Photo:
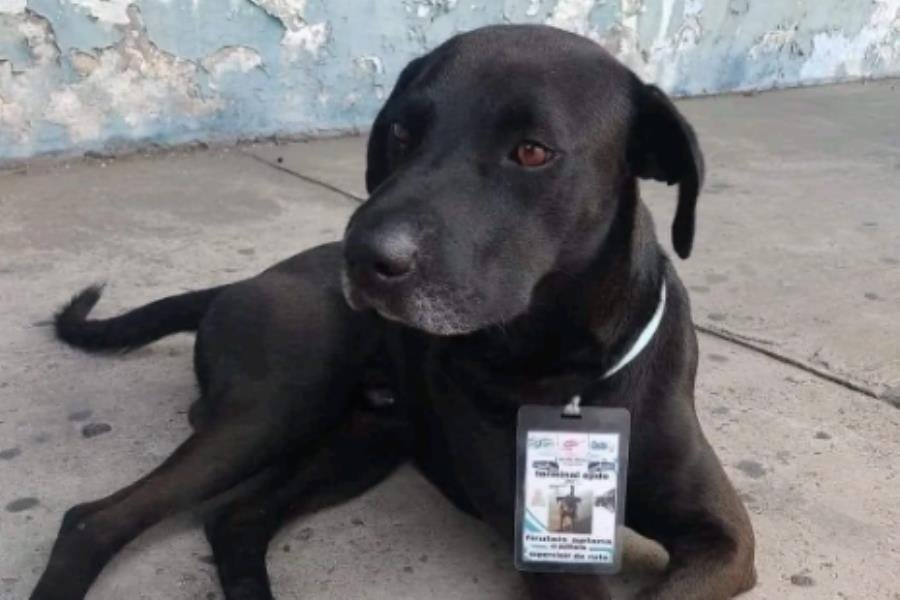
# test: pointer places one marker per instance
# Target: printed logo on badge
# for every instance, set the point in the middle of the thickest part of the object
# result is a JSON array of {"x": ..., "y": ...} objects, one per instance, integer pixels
[{"x": 571, "y": 489}]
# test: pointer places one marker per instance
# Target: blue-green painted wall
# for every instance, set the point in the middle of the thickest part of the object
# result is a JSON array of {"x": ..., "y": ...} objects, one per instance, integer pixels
[{"x": 102, "y": 75}]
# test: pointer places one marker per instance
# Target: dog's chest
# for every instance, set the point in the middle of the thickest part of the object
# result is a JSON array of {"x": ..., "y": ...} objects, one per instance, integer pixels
[
  {"x": 481, "y": 445},
  {"x": 469, "y": 416},
  {"x": 476, "y": 412}
]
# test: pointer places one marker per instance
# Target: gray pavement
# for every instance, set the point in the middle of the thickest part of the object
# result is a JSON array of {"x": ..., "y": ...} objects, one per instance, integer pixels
[{"x": 797, "y": 261}]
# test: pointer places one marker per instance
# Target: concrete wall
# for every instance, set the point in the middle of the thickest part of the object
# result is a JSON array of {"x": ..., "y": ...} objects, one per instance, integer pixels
[{"x": 80, "y": 75}]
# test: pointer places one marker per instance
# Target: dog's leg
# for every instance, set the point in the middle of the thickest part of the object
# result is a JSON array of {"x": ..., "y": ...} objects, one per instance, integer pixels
[
  {"x": 210, "y": 462},
  {"x": 553, "y": 586},
  {"x": 708, "y": 561},
  {"x": 703, "y": 525},
  {"x": 361, "y": 453}
]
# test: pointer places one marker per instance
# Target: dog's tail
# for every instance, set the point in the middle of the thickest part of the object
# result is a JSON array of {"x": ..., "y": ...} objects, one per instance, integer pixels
[{"x": 133, "y": 329}]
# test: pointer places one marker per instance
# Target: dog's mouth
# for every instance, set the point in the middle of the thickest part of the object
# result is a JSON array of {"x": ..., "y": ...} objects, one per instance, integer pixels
[{"x": 433, "y": 309}]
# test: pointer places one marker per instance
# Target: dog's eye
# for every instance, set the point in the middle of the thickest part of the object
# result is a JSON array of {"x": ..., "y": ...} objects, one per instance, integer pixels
[
  {"x": 400, "y": 134},
  {"x": 532, "y": 154}
]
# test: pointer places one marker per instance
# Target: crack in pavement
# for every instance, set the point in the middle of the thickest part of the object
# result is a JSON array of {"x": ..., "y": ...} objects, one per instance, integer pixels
[
  {"x": 306, "y": 178},
  {"x": 749, "y": 343},
  {"x": 742, "y": 341}
]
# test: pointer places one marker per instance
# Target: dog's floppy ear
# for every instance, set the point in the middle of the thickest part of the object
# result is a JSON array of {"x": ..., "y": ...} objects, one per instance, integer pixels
[
  {"x": 663, "y": 146},
  {"x": 376, "y": 153}
]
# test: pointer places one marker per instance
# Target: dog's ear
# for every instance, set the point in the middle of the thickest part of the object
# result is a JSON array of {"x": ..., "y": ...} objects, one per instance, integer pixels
[
  {"x": 376, "y": 153},
  {"x": 663, "y": 146}
]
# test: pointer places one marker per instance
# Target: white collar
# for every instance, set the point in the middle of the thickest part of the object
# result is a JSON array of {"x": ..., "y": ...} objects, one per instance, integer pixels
[
  {"x": 644, "y": 338},
  {"x": 573, "y": 408}
]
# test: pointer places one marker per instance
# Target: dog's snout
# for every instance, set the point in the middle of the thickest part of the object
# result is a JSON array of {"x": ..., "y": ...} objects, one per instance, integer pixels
[{"x": 386, "y": 254}]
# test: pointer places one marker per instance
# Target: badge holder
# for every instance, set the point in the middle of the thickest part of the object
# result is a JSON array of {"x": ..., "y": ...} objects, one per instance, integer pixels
[{"x": 571, "y": 469}]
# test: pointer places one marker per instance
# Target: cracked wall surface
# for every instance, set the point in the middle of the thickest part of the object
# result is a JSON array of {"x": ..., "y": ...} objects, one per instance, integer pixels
[{"x": 106, "y": 75}]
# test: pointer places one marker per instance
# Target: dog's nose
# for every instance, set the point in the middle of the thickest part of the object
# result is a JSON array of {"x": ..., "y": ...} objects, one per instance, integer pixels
[{"x": 387, "y": 254}]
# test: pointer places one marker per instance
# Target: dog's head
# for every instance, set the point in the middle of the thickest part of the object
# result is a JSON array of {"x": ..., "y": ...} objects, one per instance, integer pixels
[{"x": 498, "y": 159}]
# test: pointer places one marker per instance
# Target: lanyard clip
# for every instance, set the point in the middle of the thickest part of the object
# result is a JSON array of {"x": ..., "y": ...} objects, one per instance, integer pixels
[{"x": 572, "y": 410}]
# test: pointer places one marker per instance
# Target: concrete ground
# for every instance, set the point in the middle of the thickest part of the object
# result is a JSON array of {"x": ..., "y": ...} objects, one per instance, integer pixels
[{"x": 794, "y": 280}]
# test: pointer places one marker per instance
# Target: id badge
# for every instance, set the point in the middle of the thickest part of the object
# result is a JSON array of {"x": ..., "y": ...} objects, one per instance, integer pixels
[{"x": 570, "y": 498}]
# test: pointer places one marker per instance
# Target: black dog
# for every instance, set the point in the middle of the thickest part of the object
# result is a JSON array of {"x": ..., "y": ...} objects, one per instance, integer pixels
[{"x": 504, "y": 257}]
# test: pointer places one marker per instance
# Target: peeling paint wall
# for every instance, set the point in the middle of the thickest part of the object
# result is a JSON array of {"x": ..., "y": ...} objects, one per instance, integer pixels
[{"x": 102, "y": 75}]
